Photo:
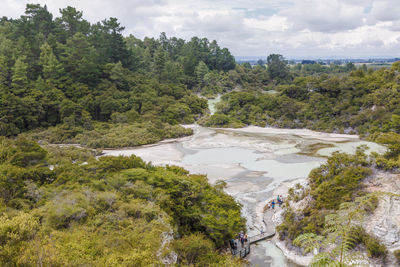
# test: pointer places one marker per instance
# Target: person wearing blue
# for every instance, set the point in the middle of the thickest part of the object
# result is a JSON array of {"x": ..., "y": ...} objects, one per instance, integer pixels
[{"x": 273, "y": 204}]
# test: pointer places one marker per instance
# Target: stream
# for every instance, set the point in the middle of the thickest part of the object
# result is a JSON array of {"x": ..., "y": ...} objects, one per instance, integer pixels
[{"x": 253, "y": 161}]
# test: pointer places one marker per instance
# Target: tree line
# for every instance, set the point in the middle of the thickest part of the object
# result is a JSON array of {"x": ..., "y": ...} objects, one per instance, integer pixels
[{"x": 72, "y": 74}]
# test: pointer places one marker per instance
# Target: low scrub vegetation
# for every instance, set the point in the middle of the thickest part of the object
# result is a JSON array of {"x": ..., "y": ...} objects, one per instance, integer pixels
[{"x": 64, "y": 207}]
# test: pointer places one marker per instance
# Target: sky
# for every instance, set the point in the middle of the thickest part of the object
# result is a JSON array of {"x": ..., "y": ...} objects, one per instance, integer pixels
[{"x": 294, "y": 28}]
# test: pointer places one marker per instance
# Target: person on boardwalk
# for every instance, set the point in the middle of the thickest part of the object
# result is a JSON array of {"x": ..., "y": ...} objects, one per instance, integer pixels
[
  {"x": 245, "y": 238},
  {"x": 241, "y": 237},
  {"x": 280, "y": 201},
  {"x": 273, "y": 204}
]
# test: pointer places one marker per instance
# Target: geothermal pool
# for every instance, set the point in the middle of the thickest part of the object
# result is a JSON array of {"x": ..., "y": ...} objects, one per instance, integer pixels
[{"x": 252, "y": 161}]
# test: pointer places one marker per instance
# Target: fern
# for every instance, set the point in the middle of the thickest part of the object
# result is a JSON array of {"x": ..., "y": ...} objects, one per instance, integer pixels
[
  {"x": 308, "y": 241},
  {"x": 339, "y": 237}
]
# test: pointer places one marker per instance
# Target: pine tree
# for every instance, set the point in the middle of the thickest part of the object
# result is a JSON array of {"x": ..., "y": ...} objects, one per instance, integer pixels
[
  {"x": 4, "y": 72},
  {"x": 52, "y": 69},
  {"x": 159, "y": 62},
  {"x": 19, "y": 81},
  {"x": 200, "y": 71}
]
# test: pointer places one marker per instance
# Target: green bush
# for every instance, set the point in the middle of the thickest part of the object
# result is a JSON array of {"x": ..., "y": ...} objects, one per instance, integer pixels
[
  {"x": 374, "y": 247},
  {"x": 112, "y": 211},
  {"x": 194, "y": 249},
  {"x": 107, "y": 135},
  {"x": 372, "y": 244}
]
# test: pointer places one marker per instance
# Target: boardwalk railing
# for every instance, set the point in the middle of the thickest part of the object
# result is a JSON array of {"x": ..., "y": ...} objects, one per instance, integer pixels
[
  {"x": 243, "y": 252},
  {"x": 259, "y": 237}
]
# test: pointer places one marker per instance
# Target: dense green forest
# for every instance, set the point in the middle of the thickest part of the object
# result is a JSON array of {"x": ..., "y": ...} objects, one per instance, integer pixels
[
  {"x": 359, "y": 101},
  {"x": 69, "y": 77},
  {"x": 65, "y": 80}
]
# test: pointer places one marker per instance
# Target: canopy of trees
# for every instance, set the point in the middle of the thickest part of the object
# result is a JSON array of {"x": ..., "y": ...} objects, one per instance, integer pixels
[
  {"x": 360, "y": 102},
  {"x": 69, "y": 73}
]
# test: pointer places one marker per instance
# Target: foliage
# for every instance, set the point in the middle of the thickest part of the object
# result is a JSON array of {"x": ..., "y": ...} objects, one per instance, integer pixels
[
  {"x": 75, "y": 76},
  {"x": 277, "y": 67},
  {"x": 356, "y": 101},
  {"x": 62, "y": 206},
  {"x": 340, "y": 232},
  {"x": 334, "y": 212},
  {"x": 191, "y": 248},
  {"x": 331, "y": 221},
  {"x": 336, "y": 181},
  {"x": 111, "y": 136}
]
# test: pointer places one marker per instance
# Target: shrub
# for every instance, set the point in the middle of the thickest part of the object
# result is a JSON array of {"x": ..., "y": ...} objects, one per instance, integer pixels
[
  {"x": 372, "y": 244},
  {"x": 193, "y": 249},
  {"x": 374, "y": 247}
]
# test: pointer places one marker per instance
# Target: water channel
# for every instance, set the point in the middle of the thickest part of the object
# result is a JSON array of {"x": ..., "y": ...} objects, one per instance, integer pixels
[{"x": 252, "y": 161}]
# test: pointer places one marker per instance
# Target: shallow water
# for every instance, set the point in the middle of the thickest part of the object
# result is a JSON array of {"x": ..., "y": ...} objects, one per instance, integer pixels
[
  {"x": 221, "y": 155},
  {"x": 267, "y": 254},
  {"x": 252, "y": 161}
]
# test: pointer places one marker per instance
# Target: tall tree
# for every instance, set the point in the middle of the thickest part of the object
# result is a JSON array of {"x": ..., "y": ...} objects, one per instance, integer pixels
[
  {"x": 160, "y": 59},
  {"x": 277, "y": 67},
  {"x": 41, "y": 20},
  {"x": 51, "y": 68},
  {"x": 4, "y": 73},
  {"x": 109, "y": 42},
  {"x": 19, "y": 81},
  {"x": 71, "y": 21},
  {"x": 201, "y": 71},
  {"x": 80, "y": 60}
]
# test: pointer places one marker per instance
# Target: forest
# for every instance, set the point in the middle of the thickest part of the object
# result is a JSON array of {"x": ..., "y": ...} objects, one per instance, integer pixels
[
  {"x": 64, "y": 80},
  {"x": 358, "y": 101},
  {"x": 68, "y": 81}
]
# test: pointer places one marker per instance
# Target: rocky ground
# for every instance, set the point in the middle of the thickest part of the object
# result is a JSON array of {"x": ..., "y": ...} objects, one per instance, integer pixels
[
  {"x": 383, "y": 223},
  {"x": 275, "y": 217}
]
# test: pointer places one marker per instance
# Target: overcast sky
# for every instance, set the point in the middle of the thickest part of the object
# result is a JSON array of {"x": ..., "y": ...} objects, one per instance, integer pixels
[{"x": 293, "y": 28}]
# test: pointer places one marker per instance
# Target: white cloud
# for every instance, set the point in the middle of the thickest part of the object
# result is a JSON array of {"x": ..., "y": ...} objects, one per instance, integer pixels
[
  {"x": 294, "y": 28},
  {"x": 386, "y": 10},
  {"x": 273, "y": 23}
]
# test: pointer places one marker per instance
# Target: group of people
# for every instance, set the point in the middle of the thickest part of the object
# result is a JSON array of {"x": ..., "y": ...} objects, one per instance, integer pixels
[
  {"x": 241, "y": 237},
  {"x": 279, "y": 201}
]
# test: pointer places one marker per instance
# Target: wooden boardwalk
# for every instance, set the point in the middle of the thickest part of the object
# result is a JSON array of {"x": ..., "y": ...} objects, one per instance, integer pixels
[
  {"x": 256, "y": 238},
  {"x": 245, "y": 250},
  {"x": 269, "y": 227}
]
